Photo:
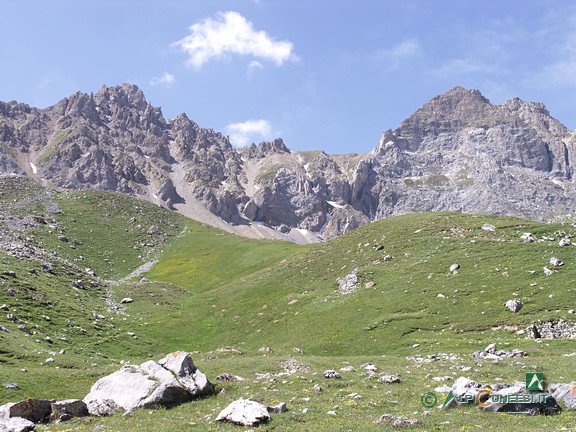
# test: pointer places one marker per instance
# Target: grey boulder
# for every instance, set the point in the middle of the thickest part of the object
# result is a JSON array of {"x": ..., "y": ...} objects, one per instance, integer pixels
[
  {"x": 34, "y": 410},
  {"x": 565, "y": 393},
  {"x": 168, "y": 382},
  {"x": 16, "y": 424}
]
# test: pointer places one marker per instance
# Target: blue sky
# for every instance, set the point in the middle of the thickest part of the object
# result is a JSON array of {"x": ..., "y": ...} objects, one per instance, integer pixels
[{"x": 330, "y": 75}]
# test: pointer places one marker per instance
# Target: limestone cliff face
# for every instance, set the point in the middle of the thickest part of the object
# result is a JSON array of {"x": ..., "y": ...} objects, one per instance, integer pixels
[{"x": 458, "y": 152}]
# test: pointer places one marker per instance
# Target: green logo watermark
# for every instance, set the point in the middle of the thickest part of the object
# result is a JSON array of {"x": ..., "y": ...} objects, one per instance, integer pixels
[
  {"x": 534, "y": 381},
  {"x": 485, "y": 398}
]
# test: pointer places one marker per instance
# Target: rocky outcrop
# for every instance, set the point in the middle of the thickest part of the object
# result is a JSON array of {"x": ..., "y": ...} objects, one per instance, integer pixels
[
  {"x": 458, "y": 152},
  {"x": 168, "y": 382}
]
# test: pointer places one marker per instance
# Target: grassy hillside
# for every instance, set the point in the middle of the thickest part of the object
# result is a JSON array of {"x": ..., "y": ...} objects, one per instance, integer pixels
[{"x": 223, "y": 298}]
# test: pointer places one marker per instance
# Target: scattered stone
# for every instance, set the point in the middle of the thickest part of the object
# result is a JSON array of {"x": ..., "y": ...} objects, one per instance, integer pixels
[
  {"x": 10, "y": 292},
  {"x": 4, "y": 307},
  {"x": 24, "y": 329},
  {"x": 547, "y": 271},
  {"x": 514, "y": 305},
  {"x": 12, "y": 386},
  {"x": 369, "y": 367},
  {"x": 49, "y": 339},
  {"x": 564, "y": 242},
  {"x": 12, "y": 317},
  {"x": 153, "y": 230},
  {"x": 349, "y": 283},
  {"x": 46, "y": 317},
  {"x": 441, "y": 295},
  {"x": 492, "y": 352},
  {"x": 4, "y": 329},
  {"x": 77, "y": 284},
  {"x": 144, "y": 280},
  {"x": 397, "y": 421},
  {"x": 126, "y": 300},
  {"x": 332, "y": 413},
  {"x": 228, "y": 377},
  {"x": 47, "y": 267},
  {"x": 49, "y": 360},
  {"x": 369, "y": 285},
  {"x": 265, "y": 349},
  {"x": 317, "y": 388},
  {"x": 532, "y": 332},
  {"x": 556, "y": 329},
  {"x": 556, "y": 262},
  {"x": 528, "y": 238},
  {"x": 63, "y": 238},
  {"x": 488, "y": 227},
  {"x": 298, "y": 350},
  {"x": 278, "y": 408},
  {"x": 463, "y": 387},
  {"x": 454, "y": 268},
  {"x": 68, "y": 409},
  {"x": 10, "y": 273},
  {"x": 292, "y": 366},
  {"x": 564, "y": 393},
  {"x": 387, "y": 258},
  {"x": 244, "y": 412},
  {"x": 349, "y": 368},
  {"x": 34, "y": 410},
  {"x": 168, "y": 382},
  {"x": 329, "y": 373},
  {"x": 229, "y": 349},
  {"x": 389, "y": 379}
]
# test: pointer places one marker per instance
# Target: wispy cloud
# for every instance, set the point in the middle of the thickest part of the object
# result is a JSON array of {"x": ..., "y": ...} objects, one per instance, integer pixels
[
  {"x": 231, "y": 34},
  {"x": 166, "y": 79},
  {"x": 398, "y": 54},
  {"x": 254, "y": 66},
  {"x": 244, "y": 133}
]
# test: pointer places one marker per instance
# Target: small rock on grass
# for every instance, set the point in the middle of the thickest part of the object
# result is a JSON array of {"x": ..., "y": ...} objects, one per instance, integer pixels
[
  {"x": 329, "y": 373},
  {"x": 397, "y": 421}
]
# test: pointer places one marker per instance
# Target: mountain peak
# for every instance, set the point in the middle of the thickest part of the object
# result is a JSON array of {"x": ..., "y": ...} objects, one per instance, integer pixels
[{"x": 122, "y": 95}]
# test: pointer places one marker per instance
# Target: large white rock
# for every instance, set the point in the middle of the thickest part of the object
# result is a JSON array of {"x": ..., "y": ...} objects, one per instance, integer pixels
[
  {"x": 16, "y": 424},
  {"x": 172, "y": 381},
  {"x": 244, "y": 412}
]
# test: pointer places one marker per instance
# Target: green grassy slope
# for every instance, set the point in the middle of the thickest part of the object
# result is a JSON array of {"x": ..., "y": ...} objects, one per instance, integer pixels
[
  {"x": 211, "y": 290},
  {"x": 293, "y": 301}
]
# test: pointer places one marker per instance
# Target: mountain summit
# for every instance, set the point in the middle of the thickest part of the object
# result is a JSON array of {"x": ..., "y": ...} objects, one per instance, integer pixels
[{"x": 458, "y": 152}]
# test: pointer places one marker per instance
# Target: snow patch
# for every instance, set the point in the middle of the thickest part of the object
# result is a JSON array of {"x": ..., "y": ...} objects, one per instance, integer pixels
[
  {"x": 335, "y": 204},
  {"x": 303, "y": 231},
  {"x": 147, "y": 157},
  {"x": 34, "y": 169}
]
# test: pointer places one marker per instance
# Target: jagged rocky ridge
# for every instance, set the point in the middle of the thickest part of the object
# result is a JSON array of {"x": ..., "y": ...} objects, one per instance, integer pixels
[{"x": 458, "y": 152}]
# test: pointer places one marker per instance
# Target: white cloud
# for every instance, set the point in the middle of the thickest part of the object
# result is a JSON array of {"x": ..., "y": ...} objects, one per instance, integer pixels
[
  {"x": 398, "y": 54},
  {"x": 228, "y": 34},
  {"x": 244, "y": 133},
  {"x": 166, "y": 79}
]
